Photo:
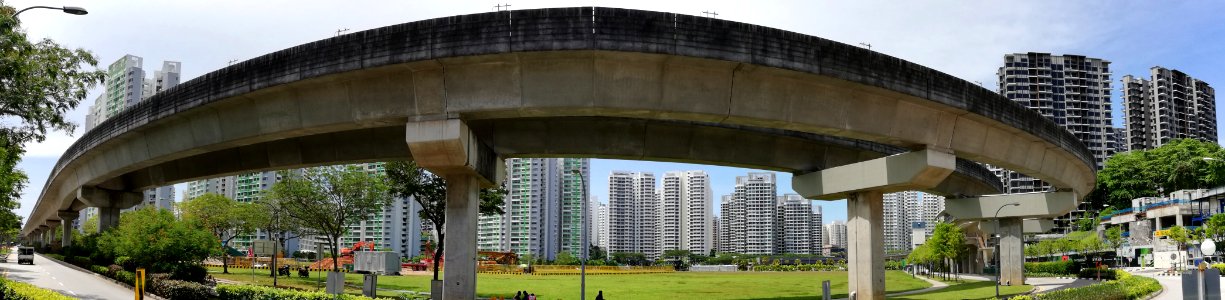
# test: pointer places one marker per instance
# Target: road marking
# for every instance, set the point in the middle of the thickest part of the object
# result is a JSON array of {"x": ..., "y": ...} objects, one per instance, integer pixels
[
  {"x": 62, "y": 284},
  {"x": 73, "y": 293}
]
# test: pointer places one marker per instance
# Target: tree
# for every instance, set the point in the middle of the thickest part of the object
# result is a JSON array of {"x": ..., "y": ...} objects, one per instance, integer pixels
[
  {"x": 221, "y": 216},
  {"x": 630, "y": 258},
  {"x": 90, "y": 225},
  {"x": 1214, "y": 227},
  {"x": 153, "y": 238},
  {"x": 1177, "y": 165},
  {"x": 1180, "y": 235},
  {"x": 326, "y": 200},
  {"x": 270, "y": 218},
  {"x": 407, "y": 180},
  {"x": 41, "y": 82},
  {"x": 1114, "y": 237},
  {"x": 596, "y": 253},
  {"x": 565, "y": 258}
]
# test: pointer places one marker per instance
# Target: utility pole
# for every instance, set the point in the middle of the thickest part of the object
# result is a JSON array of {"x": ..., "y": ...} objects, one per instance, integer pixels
[
  {"x": 501, "y": 7},
  {"x": 231, "y": 62},
  {"x": 710, "y": 14},
  {"x": 869, "y": 46},
  {"x": 340, "y": 31}
]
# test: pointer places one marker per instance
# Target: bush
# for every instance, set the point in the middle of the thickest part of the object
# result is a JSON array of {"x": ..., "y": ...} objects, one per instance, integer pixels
[
  {"x": 80, "y": 261},
  {"x": 181, "y": 290},
  {"x": 55, "y": 256},
  {"x": 189, "y": 272},
  {"x": 1125, "y": 288},
  {"x": 1054, "y": 267},
  {"x": 99, "y": 269},
  {"x": 251, "y": 292},
  {"x": 23, "y": 291}
]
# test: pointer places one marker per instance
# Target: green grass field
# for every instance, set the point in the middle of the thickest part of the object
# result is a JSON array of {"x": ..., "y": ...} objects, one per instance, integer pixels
[{"x": 682, "y": 285}]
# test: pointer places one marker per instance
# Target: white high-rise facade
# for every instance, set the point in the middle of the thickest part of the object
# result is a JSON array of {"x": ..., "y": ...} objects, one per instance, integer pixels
[
  {"x": 544, "y": 208},
  {"x": 601, "y": 223},
  {"x": 750, "y": 216},
  {"x": 794, "y": 230},
  {"x": 1169, "y": 105},
  {"x": 817, "y": 231},
  {"x": 632, "y": 211},
  {"x": 686, "y": 212},
  {"x": 932, "y": 205},
  {"x": 901, "y": 210},
  {"x": 837, "y": 233}
]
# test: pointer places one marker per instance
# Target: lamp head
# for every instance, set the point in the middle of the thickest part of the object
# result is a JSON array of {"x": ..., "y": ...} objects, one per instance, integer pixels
[{"x": 75, "y": 10}]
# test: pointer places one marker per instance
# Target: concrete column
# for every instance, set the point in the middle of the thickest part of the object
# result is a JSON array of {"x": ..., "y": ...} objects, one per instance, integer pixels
[
  {"x": 43, "y": 236},
  {"x": 1012, "y": 252},
  {"x": 459, "y": 273},
  {"x": 108, "y": 217},
  {"x": 865, "y": 249},
  {"x": 66, "y": 219},
  {"x": 1158, "y": 219},
  {"x": 1178, "y": 219}
]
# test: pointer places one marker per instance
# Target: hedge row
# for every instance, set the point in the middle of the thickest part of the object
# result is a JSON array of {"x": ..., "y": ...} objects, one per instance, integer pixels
[
  {"x": 251, "y": 292},
  {"x": 1066, "y": 267},
  {"x": 12, "y": 290},
  {"x": 160, "y": 284},
  {"x": 1127, "y": 287}
]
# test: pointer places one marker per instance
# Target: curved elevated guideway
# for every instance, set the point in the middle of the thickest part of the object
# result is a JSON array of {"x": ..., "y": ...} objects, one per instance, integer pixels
[{"x": 457, "y": 93}]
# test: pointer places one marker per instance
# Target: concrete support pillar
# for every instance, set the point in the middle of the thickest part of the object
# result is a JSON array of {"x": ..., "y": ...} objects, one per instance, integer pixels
[
  {"x": 67, "y": 217},
  {"x": 449, "y": 149},
  {"x": 1012, "y": 251},
  {"x": 1158, "y": 220},
  {"x": 1178, "y": 220},
  {"x": 865, "y": 249},
  {"x": 108, "y": 217},
  {"x": 459, "y": 273},
  {"x": 43, "y": 237}
]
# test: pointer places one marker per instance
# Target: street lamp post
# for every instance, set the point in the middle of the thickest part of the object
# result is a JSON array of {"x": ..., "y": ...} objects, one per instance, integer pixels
[
  {"x": 583, "y": 262},
  {"x": 67, "y": 9},
  {"x": 999, "y": 266}
]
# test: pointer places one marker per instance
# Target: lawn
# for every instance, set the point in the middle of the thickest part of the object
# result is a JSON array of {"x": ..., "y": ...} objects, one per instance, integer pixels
[{"x": 681, "y": 285}]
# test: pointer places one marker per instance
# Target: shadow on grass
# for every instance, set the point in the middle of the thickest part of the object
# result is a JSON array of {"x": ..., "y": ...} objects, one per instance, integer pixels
[{"x": 961, "y": 291}]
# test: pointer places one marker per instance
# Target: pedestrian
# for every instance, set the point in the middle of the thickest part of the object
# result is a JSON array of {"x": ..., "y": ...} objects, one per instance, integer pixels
[
  {"x": 531, "y": 297},
  {"x": 518, "y": 295},
  {"x": 600, "y": 296}
]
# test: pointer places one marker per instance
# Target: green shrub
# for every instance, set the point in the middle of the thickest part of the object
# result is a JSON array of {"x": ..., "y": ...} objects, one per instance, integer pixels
[
  {"x": 1127, "y": 287},
  {"x": 23, "y": 291},
  {"x": 251, "y": 292},
  {"x": 55, "y": 256},
  {"x": 98, "y": 269},
  {"x": 80, "y": 261},
  {"x": 181, "y": 290},
  {"x": 1066, "y": 267}
]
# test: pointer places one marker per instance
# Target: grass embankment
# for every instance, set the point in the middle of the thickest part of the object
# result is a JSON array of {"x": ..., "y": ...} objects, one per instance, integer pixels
[
  {"x": 669, "y": 286},
  {"x": 969, "y": 289}
]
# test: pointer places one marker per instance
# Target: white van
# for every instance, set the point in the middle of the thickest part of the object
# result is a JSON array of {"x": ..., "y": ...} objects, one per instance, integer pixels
[{"x": 25, "y": 255}]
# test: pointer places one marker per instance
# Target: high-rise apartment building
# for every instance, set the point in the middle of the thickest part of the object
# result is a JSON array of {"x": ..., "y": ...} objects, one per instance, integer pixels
[
  {"x": 793, "y": 227},
  {"x": 817, "y": 231},
  {"x": 836, "y": 231},
  {"x": 124, "y": 87},
  {"x": 749, "y": 215},
  {"x": 632, "y": 211},
  {"x": 544, "y": 208},
  {"x": 1170, "y": 105},
  {"x": 686, "y": 212},
  {"x": 599, "y": 232},
  {"x": 900, "y": 210},
  {"x": 931, "y": 207},
  {"x": 1070, "y": 90}
]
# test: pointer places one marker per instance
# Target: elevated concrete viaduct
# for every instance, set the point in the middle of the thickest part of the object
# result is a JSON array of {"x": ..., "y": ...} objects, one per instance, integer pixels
[{"x": 456, "y": 94}]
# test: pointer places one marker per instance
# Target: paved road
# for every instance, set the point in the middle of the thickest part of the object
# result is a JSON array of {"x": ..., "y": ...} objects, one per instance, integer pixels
[
  {"x": 1171, "y": 286},
  {"x": 47, "y": 274}
]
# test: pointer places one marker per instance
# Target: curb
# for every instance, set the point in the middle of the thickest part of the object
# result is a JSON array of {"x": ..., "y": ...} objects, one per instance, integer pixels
[{"x": 120, "y": 283}]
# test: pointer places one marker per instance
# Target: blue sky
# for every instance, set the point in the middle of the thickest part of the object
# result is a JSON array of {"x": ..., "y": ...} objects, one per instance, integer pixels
[{"x": 964, "y": 38}]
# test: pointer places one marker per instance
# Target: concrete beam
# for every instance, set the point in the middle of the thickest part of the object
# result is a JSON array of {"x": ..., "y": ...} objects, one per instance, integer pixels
[
  {"x": 918, "y": 170},
  {"x": 1038, "y": 225},
  {"x": 1033, "y": 205},
  {"x": 448, "y": 147},
  {"x": 98, "y": 197}
]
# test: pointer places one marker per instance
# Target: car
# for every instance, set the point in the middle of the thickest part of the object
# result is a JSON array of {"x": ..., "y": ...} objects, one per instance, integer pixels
[{"x": 25, "y": 255}]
